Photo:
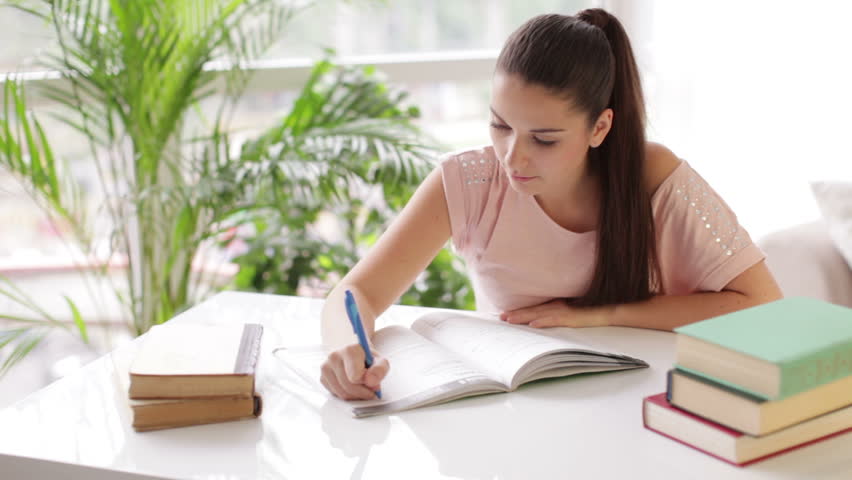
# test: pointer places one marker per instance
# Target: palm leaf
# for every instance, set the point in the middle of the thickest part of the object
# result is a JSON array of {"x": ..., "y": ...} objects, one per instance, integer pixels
[
  {"x": 22, "y": 341},
  {"x": 78, "y": 319},
  {"x": 345, "y": 132}
]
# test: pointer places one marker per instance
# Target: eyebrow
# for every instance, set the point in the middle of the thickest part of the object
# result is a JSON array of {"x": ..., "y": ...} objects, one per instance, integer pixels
[{"x": 535, "y": 130}]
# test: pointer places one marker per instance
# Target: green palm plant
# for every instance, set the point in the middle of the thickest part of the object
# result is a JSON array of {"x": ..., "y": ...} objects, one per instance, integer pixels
[
  {"x": 327, "y": 155},
  {"x": 139, "y": 88}
]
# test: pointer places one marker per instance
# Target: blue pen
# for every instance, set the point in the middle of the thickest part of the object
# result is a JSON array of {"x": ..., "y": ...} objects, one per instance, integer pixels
[{"x": 358, "y": 327}]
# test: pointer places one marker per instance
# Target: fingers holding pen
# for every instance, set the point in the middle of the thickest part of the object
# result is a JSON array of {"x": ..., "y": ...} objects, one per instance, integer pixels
[
  {"x": 356, "y": 372},
  {"x": 374, "y": 375},
  {"x": 352, "y": 358},
  {"x": 345, "y": 375},
  {"x": 349, "y": 391}
]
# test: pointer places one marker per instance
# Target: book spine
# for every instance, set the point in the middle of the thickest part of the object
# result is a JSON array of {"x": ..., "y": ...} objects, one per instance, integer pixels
[
  {"x": 669, "y": 379},
  {"x": 815, "y": 370},
  {"x": 249, "y": 349}
]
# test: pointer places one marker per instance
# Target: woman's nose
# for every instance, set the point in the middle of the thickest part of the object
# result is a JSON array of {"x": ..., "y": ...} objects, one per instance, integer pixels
[{"x": 515, "y": 159}]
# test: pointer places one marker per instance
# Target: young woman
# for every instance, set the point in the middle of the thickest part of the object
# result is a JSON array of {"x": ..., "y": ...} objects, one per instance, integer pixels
[{"x": 569, "y": 218}]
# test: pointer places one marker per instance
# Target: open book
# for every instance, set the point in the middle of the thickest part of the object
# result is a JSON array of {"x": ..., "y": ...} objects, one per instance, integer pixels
[{"x": 448, "y": 355}]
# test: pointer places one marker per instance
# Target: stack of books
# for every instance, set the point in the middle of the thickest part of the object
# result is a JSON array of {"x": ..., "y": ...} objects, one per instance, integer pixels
[
  {"x": 759, "y": 382},
  {"x": 190, "y": 374}
]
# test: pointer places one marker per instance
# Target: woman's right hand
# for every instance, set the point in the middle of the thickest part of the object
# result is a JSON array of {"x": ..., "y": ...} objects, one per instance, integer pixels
[{"x": 346, "y": 377}]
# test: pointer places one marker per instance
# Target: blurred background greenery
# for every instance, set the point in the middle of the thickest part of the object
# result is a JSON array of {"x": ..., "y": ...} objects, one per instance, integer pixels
[{"x": 151, "y": 155}]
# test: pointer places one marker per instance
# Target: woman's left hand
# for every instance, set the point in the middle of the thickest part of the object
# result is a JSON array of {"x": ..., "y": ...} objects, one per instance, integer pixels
[{"x": 558, "y": 313}]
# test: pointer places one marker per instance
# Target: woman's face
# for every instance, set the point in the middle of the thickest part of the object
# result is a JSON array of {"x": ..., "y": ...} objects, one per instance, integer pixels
[{"x": 541, "y": 142}]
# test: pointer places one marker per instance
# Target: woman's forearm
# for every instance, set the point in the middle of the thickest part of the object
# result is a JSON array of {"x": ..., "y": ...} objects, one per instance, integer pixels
[
  {"x": 666, "y": 312},
  {"x": 335, "y": 327}
]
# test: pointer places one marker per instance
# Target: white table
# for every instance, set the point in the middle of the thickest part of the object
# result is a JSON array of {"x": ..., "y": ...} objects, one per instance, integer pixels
[{"x": 588, "y": 426}]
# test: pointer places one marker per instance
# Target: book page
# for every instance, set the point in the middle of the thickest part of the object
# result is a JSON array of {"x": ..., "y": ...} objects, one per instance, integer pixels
[
  {"x": 166, "y": 351},
  {"x": 508, "y": 352},
  {"x": 420, "y": 373}
]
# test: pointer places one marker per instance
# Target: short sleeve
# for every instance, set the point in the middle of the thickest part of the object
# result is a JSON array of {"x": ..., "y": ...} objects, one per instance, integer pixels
[
  {"x": 472, "y": 188},
  {"x": 701, "y": 246}
]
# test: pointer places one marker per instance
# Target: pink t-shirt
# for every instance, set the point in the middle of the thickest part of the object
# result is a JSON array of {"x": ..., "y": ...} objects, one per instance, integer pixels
[{"x": 517, "y": 256}]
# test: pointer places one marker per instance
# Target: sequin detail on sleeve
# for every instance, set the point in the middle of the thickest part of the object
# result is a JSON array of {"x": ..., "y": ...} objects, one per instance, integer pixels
[
  {"x": 477, "y": 170},
  {"x": 715, "y": 218}
]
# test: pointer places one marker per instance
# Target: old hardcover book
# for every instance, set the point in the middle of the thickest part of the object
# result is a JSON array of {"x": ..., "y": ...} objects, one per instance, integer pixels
[
  {"x": 182, "y": 412},
  {"x": 775, "y": 350},
  {"x": 449, "y": 355},
  {"x": 735, "y": 447},
  {"x": 194, "y": 361}
]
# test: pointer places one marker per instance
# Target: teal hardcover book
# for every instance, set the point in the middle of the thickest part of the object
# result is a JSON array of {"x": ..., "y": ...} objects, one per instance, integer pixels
[{"x": 774, "y": 350}]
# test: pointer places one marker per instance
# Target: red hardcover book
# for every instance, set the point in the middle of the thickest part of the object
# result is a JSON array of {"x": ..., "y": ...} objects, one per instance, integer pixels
[{"x": 732, "y": 446}]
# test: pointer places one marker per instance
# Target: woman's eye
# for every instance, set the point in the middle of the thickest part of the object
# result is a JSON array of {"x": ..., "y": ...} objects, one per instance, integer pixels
[{"x": 545, "y": 143}]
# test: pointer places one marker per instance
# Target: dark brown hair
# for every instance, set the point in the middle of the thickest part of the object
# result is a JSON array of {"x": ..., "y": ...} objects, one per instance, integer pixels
[{"x": 588, "y": 60}]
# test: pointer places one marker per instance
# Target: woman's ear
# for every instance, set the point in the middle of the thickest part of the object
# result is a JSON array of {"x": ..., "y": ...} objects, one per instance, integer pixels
[{"x": 601, "y": 128}]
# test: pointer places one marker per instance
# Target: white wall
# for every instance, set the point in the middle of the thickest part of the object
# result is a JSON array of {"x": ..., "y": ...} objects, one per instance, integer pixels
[{"x": 754, "y": 94}]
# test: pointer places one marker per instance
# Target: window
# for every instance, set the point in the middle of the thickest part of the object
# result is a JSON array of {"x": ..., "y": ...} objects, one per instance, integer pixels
[
  {"x": 453, "y": 101},
  {"x": 754, "y": 95}
]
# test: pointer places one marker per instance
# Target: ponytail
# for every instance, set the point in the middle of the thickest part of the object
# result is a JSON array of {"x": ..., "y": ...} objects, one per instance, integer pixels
[{"x": 627, "y": 267}]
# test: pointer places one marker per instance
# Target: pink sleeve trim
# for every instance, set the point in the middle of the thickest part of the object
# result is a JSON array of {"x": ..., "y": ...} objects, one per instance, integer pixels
[
  {"x": 451, "y": 177},
  {"x": 738, "y": 263}
]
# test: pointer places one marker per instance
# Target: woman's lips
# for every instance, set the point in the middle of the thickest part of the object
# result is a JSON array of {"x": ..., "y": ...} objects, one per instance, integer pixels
[{"x": 519, "y": 178}]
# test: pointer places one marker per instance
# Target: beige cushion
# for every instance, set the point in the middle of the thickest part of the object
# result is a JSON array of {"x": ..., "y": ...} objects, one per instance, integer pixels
[
  {"x": 806, "y": 262},
  {"x": 835, "y": 202}
]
